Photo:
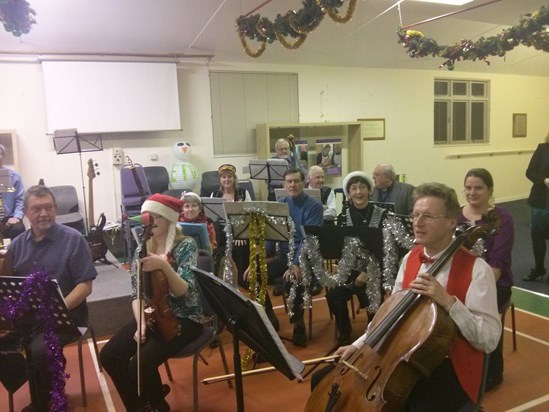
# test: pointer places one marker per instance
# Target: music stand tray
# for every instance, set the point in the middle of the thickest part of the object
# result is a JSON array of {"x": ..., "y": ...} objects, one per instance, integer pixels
[
  {"x": 213, "y": 208},
  {"x": 247, "y": 321}
]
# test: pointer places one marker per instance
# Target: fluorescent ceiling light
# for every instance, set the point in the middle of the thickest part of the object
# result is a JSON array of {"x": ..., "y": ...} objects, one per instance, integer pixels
[{"x": 451, "y": 2}]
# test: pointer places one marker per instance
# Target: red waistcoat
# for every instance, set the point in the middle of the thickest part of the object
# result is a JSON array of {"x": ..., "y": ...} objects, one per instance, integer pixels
[{"x": 467, "y": 361}]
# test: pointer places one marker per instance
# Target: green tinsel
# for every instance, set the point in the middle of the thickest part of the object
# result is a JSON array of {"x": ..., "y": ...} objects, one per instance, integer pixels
[
  {"x": 529, "y": 32},
  {"x": 16, "y": 16}
]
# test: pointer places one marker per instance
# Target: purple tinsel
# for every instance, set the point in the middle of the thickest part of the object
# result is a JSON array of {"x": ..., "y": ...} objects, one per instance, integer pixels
[{"x": 37, "y": 297}]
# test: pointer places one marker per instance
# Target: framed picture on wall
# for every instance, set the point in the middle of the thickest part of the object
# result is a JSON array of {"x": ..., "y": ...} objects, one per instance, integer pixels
[
  {"x": 373, "y": 129},
  {"x": 519, "y": 124}
]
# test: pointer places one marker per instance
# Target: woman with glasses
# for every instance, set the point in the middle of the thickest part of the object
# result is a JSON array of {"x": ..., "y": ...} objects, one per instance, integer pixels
[{"x": 496, "y": 250}]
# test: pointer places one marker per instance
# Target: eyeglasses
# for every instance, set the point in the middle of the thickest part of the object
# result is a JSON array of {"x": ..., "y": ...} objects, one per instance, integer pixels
[{"x": 427, "y": 217}]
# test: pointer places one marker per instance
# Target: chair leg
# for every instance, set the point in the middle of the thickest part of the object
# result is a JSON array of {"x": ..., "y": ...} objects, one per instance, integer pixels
[
  {"x": 168, "y": 371},
  {"x": 514, "y": 326},
  {"x": 311, "y": 319},
  {"x": 353, "y": 306},
  {"x": 10, "y": 401},
  {"x": 195, "y": 382},
  {"x": 224, "y": 360},
  {"x": 95, "y": 348},
  {"x": 82, "y": 377}
]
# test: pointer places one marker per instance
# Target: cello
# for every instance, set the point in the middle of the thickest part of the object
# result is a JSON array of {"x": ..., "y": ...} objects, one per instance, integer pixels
[{"x": 408, "y": 337}]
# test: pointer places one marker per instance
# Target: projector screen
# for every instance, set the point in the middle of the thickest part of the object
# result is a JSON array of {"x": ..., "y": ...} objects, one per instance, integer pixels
[{"x": 96, "y": 97}]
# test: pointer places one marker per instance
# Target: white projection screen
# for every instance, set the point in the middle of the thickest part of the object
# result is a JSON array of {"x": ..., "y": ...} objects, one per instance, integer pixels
[{"x": 102, "y": 97}]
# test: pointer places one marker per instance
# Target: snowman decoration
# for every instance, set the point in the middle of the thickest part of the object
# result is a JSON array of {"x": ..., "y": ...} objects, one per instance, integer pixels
[{"x": 183, "y": 174}]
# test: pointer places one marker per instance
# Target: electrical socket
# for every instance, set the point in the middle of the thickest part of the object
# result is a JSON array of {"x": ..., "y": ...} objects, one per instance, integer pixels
[{"x": 117, "y": 156}]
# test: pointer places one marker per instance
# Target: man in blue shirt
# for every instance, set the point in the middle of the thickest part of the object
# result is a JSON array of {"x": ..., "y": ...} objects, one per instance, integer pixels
[
  {"x": 304, "y": 211},
  {"x": 64, "y": 254},
  {"x": 11, "y": 212}
]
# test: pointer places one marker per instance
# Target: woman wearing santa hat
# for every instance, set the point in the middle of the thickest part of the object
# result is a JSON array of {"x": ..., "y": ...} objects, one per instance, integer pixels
[{"x": 174, "y": 254}]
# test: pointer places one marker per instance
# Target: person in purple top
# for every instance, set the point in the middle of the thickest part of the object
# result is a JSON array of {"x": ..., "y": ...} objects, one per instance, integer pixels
[{"x": 479, "y": 187}]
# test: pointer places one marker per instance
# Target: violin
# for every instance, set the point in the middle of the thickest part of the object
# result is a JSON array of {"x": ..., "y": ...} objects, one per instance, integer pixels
[
  {"x": 408, "y": 337},
  {"x": 158, "y": 314}
]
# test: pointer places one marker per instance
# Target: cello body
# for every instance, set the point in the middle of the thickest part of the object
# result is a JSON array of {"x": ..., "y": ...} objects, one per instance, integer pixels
[{"x": 384, "y": 372}]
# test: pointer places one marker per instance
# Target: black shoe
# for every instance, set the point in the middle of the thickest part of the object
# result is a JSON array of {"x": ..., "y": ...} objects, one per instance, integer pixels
[
  {"x": 299, "y": 338},
  {"x": 274, "y": 320},
  {"x": 166, "y": 390},
  {"x": 533, "y": 275},
  {"x": 316, "y": 288},
  {"x": 278, "y": 289},
  {"x": 344, "y": 338},
  {"x": 493, "y": 381}
]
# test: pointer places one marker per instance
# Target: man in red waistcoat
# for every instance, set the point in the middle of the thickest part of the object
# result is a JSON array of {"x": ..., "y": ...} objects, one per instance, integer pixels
[{"x": 465, "y": 288}]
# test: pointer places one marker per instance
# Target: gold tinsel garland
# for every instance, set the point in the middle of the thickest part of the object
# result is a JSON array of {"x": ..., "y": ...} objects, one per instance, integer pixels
[
  {"x": 295, "y": 24},
  {"x": 258, "y": 290}
]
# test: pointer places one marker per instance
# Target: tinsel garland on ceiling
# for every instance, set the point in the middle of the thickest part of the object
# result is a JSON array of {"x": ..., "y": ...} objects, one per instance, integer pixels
[
  {"x": 530, "y": 32},
  {"x": 17, "y": 16},
  {"x": 290, "y": 29}
]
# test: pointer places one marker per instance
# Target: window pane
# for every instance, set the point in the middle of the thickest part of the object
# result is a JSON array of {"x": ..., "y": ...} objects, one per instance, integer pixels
[
  {"x": 459, "y": 88},
  {"x": 441, "y": 88},
  {"x": 441, "y": 122},
  {"x": 477, "y": 121},
  {"x": 478, "y": 89},
  {"x": 459, "y": 113}
]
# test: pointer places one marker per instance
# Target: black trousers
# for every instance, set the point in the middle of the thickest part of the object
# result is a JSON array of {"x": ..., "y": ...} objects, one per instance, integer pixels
[
  {"x": 12, "y": 231},
  {"x": 495, "y": 363},
  {"x": 119, "y": 360}
]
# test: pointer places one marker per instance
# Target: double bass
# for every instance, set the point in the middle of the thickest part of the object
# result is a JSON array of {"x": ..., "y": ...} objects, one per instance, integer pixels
[{"x": 408, "y": 337}]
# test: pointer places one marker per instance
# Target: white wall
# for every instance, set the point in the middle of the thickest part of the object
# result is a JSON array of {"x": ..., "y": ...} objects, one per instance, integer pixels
[{"x": 403, "y": 98}]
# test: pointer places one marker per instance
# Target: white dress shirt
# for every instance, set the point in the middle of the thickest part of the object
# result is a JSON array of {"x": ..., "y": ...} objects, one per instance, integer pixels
[{"x": 478, "y": 318}]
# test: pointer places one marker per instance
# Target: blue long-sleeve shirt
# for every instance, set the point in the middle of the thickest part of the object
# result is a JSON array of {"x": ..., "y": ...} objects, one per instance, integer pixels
[
  {"x": 304, "y": 211},
  {"x": 13, "y": 201}
]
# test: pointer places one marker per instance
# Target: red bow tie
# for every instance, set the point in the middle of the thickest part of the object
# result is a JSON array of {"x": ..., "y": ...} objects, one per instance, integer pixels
[{"x": 423, "y": 258}]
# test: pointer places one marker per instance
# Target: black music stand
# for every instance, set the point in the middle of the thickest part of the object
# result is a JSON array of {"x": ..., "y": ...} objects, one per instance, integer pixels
[
  {"x": 67, "y": 141},
  {"x": 247, "y": 321},
  {"x": 213, "y": 208},
  {"x": 12, "y": 290},
  {"x": 331, "y": 239}
]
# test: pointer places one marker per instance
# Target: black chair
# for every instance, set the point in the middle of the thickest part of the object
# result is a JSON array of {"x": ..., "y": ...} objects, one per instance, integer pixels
[
  {"x": 68, "y": 213},
  {"x": 157, "y": 178},
  {"x": 503, "y": 311},
  {"x": 210, "y": 183},
  {"x": 246, "y": 184},
  {"x": 209, "y": 335}
]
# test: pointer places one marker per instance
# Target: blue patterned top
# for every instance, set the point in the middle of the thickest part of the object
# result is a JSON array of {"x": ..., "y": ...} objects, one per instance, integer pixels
[{"x": 185, "y": 256}]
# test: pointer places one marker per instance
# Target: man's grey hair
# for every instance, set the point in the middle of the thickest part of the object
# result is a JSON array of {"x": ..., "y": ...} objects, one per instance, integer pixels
[{"x": 389, "y": 170}]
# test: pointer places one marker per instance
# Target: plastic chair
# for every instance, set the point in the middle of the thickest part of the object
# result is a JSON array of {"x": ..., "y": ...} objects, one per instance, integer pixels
[
  {"x": 210, "y": 183},
  {"x": 247, "y": 185},
  {"x": 210, "y": 334},
  {"x": 132, "y": 198},
  {"x": 157, "y": 179},
  {"x": 68, "y": 213}
]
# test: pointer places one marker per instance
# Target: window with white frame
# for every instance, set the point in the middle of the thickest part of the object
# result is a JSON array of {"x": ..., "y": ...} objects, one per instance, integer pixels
[{"x": 461, "y": 111}]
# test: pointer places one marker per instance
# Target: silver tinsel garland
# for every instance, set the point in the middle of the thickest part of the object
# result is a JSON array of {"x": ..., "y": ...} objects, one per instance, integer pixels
[
  {"x": 396, "y": 232},
  {"x": 228, "y": 275}
]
